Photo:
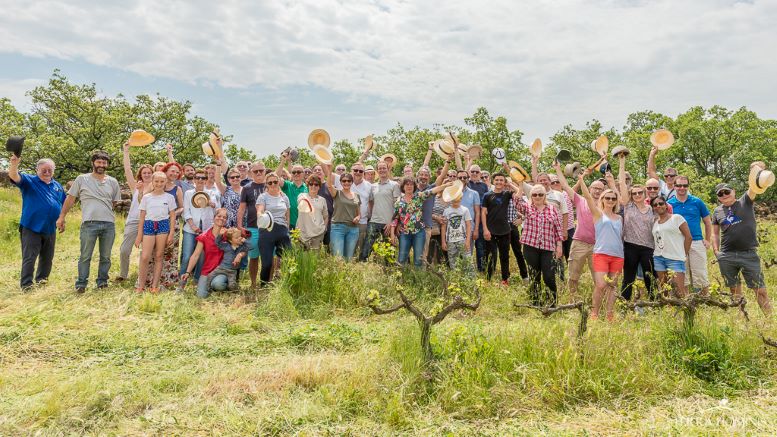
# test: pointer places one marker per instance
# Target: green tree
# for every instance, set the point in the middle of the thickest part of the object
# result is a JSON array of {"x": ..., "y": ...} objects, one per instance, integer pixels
[{"x": 492, "y": 132}]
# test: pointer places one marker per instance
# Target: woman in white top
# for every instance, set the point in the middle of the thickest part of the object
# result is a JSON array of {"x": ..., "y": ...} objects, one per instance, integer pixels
[
  {"x": 139, "y": 183},
  {"x": 312, "y": 225},
  {"x": 276, "y": 240},
  {"x": 672, "y": 240},
  {"x": 196, "y": 221},
  {"x": 157, "y": 213}
]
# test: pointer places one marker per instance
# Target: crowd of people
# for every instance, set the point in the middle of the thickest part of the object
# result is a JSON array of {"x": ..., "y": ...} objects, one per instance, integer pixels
[{"x": 213, "y": 223}]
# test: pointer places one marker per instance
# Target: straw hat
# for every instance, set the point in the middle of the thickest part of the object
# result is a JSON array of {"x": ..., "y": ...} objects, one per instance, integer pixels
[
  {"x": 388, "y": 156},
  {"x": 215, "y": 139},
  {"x": 322, "y": 154},
  {"x": 760, "y": 178},
  {"x": 265, "y": 221},
  {"x": 620, "y": 149},
  {"x": 444, "y": 148},
  {"x": 573, "y": 170},
  {"x": 600, "y": 145},
  {"x": 463, "y": 149},
  {"x": 139, "y": 137},
  {"x": 369, "y": 142},
  {"x": 201, "y": 199},
  {"x": 536, "y": 147},
  {"x": 662, "y": 139},
  {"x": 453, "y": 192},
  {"x": 210, "y": 150},
  {"x": 304, "y": 205},
  {"x": 517, "y": 173},
  {"x": 474, "y": 151},
  {"x": 318, "y": 136},
  {"x": 499, "y": 154},
  {"x": 14, "y": 145}
]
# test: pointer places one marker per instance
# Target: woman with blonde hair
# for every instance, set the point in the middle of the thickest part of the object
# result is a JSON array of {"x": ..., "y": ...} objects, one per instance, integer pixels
[{"x": 608, "y": 247}]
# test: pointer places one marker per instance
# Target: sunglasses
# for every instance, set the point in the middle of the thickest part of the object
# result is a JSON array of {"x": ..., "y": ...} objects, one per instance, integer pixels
[
  {"x": 681, "y": 185},
  {"x": 637, "y": 193},
  {"x": 234, "y": 177},
  {"x": 242, "y": 166},
  {"x": 201, "y": 178},
  {"x": 555, "y": 183},
  {"x": 722, "y": 193},
  {"x": 659, "y": 204},
  {"x": 357, "y": 171},
  {"x": 463, "y": 178},
  {"x": 670, "y": 175},
  {"x": 474, "y": 171},
  {"x": 272, "y": 183},
  {"x": 653, "y": 188},
  {"x": 258, "y": 171},
  {"x": 537, "y": 195},
  {"x": 313, "y": 184},
  {"x": 610, "y": 198},
  {"x": 346, "y": 180},
  {"x": 339, "y": 169},
  {"x": 296, "y": 172}
]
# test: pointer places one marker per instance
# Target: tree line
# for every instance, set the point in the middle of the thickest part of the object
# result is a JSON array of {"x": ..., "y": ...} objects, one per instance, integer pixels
[{"x": 68, "y": 120}]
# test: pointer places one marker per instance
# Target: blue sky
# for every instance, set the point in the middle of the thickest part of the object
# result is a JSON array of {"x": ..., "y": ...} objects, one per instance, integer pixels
[{"x": 269, "y": 72}]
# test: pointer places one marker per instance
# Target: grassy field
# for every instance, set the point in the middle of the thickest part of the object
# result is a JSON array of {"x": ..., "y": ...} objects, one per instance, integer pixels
[{"x": 308, "y": 358}]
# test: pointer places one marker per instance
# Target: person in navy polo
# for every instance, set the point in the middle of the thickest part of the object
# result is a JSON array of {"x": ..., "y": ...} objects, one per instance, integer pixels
[{"x": 42, "y": 199}]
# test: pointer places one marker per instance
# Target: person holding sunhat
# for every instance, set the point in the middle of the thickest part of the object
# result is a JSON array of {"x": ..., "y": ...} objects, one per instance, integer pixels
[
  {"x": 274, "y": 238},
  {"x": 734, "y": 238},
  {"x": 198, "y": 213},
  {"x": 456, "y": 229},
  {"x": 313, "y": 215},
  {"x": 408, "y": 220},
  {"x": 42, "y": 199}
]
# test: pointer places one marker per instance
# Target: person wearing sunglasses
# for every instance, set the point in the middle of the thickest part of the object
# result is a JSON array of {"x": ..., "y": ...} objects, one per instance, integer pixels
[
  {"x": 313, "y": 225},
  {"x": 670, "y": 175},
  {"x": 196, "y": 221},
  {"x": 407, "y": 224},
  {"x": 292, "y": 188},
  {"x": 542, "y": 242},
  {"x": 695, "y": 212},
  {"x": 272, "y": 242},
  {"x": 608, "y": 247},
  {"x": 346, "y": 217},
  {"x": 735, "y": 243},
  {"x": 672, "y": 243},
  {"x": 638, "y": 242},
  {"x": 382, "y": 197},
  {"x": 362, "y": 188},
  {"x": 481, "y": 187},
  {"x": 246, "y": 216}
]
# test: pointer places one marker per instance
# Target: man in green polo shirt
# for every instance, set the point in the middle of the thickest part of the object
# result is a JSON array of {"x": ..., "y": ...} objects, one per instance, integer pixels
[{"x": 292, "y": 188}]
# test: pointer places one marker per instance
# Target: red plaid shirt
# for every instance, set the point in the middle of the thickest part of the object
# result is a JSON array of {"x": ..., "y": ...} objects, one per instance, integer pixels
[{"x": 541, "y": 229}]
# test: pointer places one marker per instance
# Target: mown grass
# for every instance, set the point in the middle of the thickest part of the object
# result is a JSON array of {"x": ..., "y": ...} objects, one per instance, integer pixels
[{"x": 306, "y": 357}]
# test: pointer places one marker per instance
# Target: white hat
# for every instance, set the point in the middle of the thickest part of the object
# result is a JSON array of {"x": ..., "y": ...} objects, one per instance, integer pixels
[
  {"x": 499, "y": 154},
  {"x": 455, "y": 191},
  {"x": 265, "y": 221},
  {"x": 662, "y": 139},
  {"x": 304, "y": 205},
  {"x": 322, "y": 154}
]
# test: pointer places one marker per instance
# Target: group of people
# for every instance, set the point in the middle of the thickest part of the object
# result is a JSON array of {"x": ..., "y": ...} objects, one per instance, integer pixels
[{"x": 210, "y": 224}]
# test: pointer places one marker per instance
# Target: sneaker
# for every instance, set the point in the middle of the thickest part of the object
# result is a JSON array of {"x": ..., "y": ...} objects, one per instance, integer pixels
[
  {"x": 100, "y": 286},
  {"x": 42, "y": 282},
  {"x": 27, "y": 288},
  {"x": 80, "y": 290}
]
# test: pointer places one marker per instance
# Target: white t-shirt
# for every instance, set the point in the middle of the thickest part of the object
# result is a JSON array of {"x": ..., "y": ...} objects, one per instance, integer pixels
[
  {"x": 157, "y": 206},
  {"x": 456, "y": 219},
  {"x": 669, "y": 241}
]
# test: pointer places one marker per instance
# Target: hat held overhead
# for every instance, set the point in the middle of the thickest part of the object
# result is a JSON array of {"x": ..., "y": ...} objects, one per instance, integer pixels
[
  {"x": 139, "y": 138},
  {"x": 760, "y": 178},
  {"x": 323, "y": 154},
  {"x": 662, "y": 139},
  {"x": 14, "y": 145},
  {"x": 536, "y": 148},
  {"x": 318, "y": 137}
]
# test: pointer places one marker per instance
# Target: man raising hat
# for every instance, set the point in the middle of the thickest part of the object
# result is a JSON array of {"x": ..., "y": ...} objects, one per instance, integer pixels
[
  {"x": 734, "y": 243},
  {"x": 42, "y": 199}
]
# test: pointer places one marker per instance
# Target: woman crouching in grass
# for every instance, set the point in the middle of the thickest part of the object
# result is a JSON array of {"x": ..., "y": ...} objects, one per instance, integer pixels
[{"x": 157, "y": 211}]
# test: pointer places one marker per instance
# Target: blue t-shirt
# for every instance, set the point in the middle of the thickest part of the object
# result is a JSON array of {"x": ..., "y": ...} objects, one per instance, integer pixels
[
  {"x": 426, "y": 209},
  {"x": 480, "y": 187},
  {"x": 470, "y": 199},
  {"x": 41, "y": 203},
  {"x": 693, "y": 211}
]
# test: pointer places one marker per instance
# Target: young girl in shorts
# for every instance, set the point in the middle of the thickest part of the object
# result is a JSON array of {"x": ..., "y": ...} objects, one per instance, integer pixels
[{"x": 157, "y": 211}]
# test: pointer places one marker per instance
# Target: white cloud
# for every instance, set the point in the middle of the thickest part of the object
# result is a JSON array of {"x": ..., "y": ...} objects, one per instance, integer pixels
[
  {"x": 16, "y": 91},
  {"x": 540, "y": 63}
]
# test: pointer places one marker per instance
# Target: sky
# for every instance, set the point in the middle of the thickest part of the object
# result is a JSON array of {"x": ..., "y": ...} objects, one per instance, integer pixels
[{"x": 269, "y": 72}]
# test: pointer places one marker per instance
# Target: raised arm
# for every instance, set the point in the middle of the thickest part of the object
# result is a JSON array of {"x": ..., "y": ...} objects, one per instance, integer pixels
[
  {"x": 563, "y": 180},
  {"x": 651, "y": 164},
  {"x": 595, "y": 211},
  {"x": 622, "y": 188},
  {"x": 534, "y": 161},
  {"x": 444, "y": 173},
  {"x": 281, "y": 163},
  {"x": 330, "y": 179},
  {"x": 13, "y": 168},
  {"x": 128, "y": 168},
  {"x": 169, "y": 148}
]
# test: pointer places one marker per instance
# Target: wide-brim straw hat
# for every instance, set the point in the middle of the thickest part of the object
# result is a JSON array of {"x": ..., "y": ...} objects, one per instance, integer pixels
[
  {"x": 573, "y": 170},
  {"x": 453, "y": 192},
  {"x": 760, "y": 178},
  {"x": 139, "y": 137},
  {"x": 517, "y": 173},
  {"x": 265, "y": 221},
  {"x": 474, "y": 151},
  {"x": 304, "y": 205},
  {"x": 388, "y": 156},
  {"x": 369, "y": 142},
  {"x": 620, "y": 149},
  {"x": 211, "y": 150},
  {"x": 322, "y": 154},
  {"x": 444, "y": 148},
  {"x": 318, "y": 137},
  {"x": 14, "y": 144},
  {"x": 536, "y": 147},
  {"x": 600, "y": 145},
  {"x": 662, "y": 139},
  {"x": 201, "y": 199},
  {"x": 214, "y": 140}
]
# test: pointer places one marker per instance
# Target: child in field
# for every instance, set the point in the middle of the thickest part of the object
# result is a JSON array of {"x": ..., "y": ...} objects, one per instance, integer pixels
[
  {"x": 456, "y": 231},
  {"x": 232, "y": 243},
  {"x": 157, "y": 211}
]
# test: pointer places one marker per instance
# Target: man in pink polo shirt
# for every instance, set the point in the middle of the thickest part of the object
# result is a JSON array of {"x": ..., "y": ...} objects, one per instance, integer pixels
[{"x": 582, "y": 249}]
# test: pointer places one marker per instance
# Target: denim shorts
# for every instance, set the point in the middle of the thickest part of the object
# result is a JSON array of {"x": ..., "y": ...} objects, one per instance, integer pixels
[
  {"x": 663, "y": 264},
  {"x": 151, "y": 227}
]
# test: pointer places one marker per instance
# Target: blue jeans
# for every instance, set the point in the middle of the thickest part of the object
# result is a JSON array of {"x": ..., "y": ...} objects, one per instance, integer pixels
[
  {"x": 219, "y": 283},
  {"x": 417, "y": 242},
  {"x": 91, "y": 231},
  {"x": 343, "y": 239},
  {"x": 374, "y": 232},
  {"x": 188, "y": 243}
]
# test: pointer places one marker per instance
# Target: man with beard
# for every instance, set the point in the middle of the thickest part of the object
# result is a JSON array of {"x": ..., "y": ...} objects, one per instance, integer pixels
[
  {"x": 246, "y": 214},
  {"x": 423, "y": 177},
  {"x": 481, "y": 188},
  {"x": 42, "y": 199},
  {"x": 99, "y": 194},
  {"x": 187, "y": 181}
]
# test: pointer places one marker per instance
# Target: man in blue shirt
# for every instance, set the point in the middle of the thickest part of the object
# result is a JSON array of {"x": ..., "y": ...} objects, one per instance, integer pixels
[
  {"x": 481, "y": 188},
  {"x": 42, "y": 199},
  {"x": 694, "y": 211}
]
